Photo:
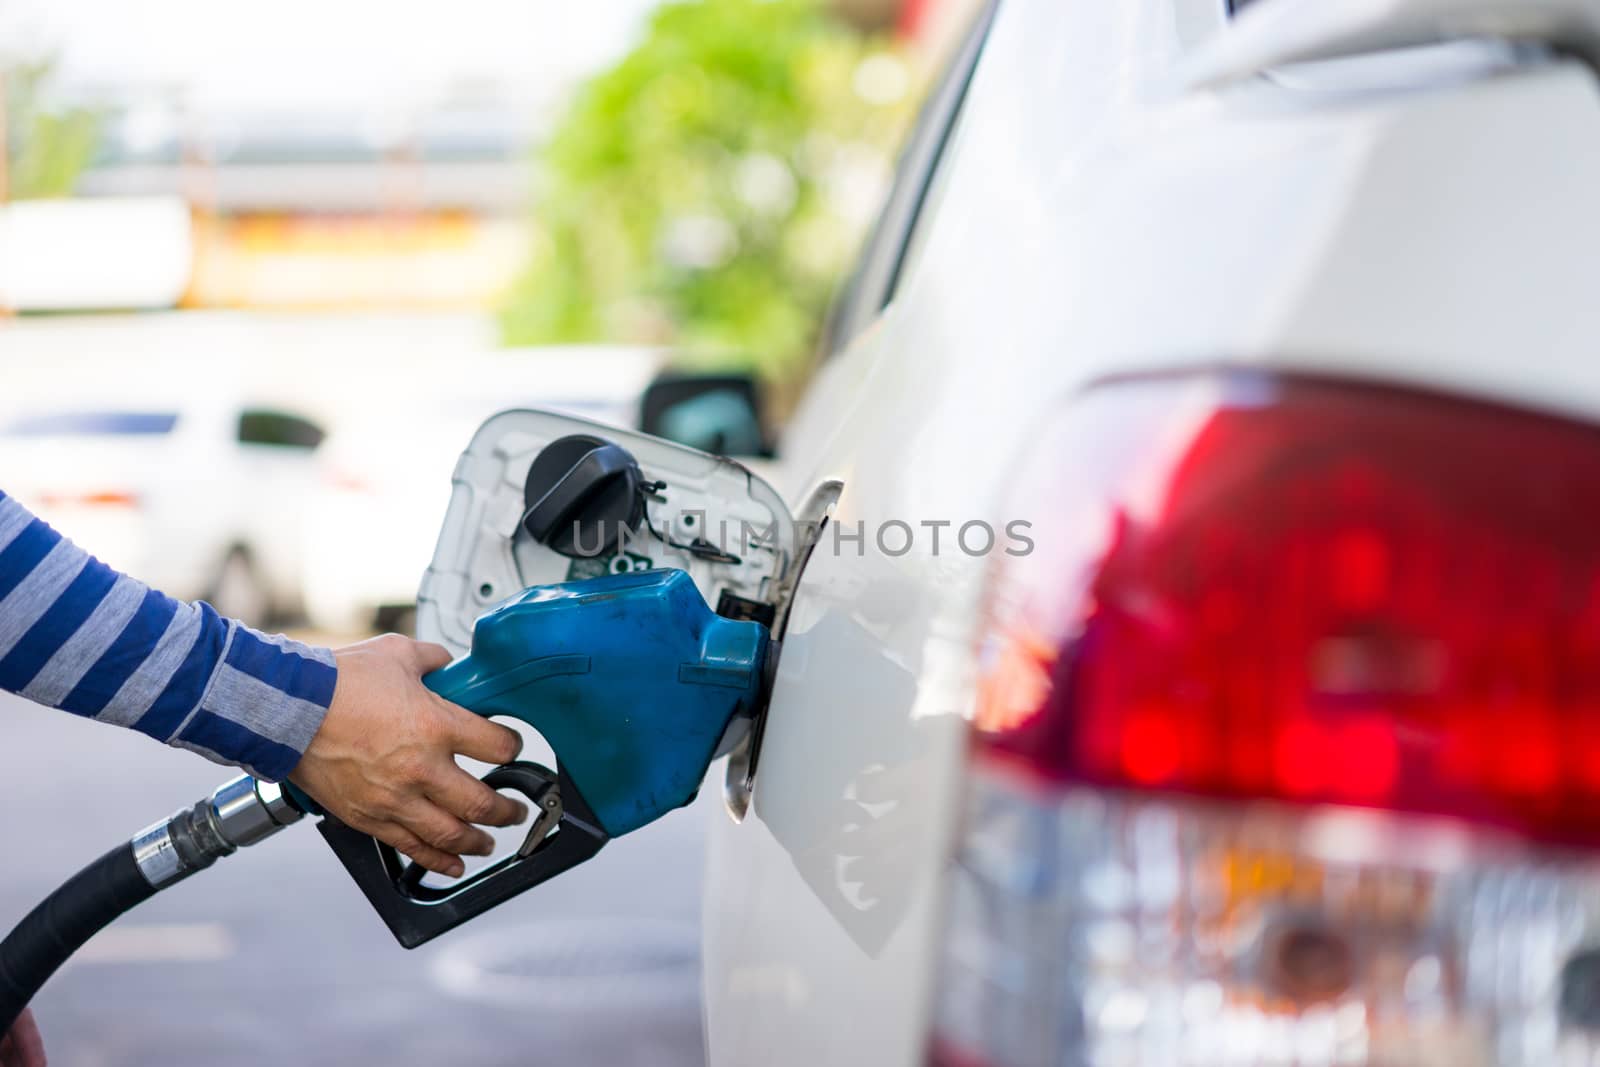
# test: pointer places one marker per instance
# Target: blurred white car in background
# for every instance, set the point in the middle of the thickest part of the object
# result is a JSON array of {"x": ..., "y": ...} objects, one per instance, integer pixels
[
  {"x": 201, "y": 499},
  {"x": 384, "y": 476}
]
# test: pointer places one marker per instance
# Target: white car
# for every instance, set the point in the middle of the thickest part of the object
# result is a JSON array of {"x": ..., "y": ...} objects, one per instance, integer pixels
[
  {"x": 201, "y": 499},
  {"x": 1267, "y": 728}
]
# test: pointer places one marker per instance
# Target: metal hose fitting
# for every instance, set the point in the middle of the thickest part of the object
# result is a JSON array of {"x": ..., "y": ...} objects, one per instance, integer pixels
[{"x": 240, "y": 813}]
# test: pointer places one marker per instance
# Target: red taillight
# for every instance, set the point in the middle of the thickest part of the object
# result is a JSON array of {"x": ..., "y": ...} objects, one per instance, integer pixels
[
  {"x": 348, "y": 484},
  {"x": 345, "y": 480},
  {"x": 107, "y": 498},
  {"x": 1274, "y": 629},
  {"x": 1328, "y": 593}
]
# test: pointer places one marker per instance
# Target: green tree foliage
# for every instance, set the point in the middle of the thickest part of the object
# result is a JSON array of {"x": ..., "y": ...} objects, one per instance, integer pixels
[
  {"x": 698, "y": 193},
  {"x": 48, "y": 148}
]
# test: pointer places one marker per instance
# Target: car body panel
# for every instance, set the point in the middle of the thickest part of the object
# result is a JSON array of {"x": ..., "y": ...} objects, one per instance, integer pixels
[{"x": 1098, "y": 219}]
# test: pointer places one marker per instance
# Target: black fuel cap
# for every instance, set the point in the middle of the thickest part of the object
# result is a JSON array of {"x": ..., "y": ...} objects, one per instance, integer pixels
[{"x": 583, "y": 494}]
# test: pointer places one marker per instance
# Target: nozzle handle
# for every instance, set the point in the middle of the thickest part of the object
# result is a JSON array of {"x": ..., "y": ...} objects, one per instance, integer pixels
[{"x": 416, "y": 912}]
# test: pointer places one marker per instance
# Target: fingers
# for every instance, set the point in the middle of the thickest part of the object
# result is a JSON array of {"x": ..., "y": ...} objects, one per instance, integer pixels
[
  {"x": 21, "y": 1046},
  {"x": 443, "y": 831},
  {"x": 408, "y": 844},
  {"x": 383, "y": 759},
  {"x": 480, "y": 739},
  {"x": 471, "y": 801}
]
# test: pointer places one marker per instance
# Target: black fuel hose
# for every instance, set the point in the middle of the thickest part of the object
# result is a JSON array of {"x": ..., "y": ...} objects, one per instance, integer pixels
[
  {"x": 84, "y": 905},
  {"x": 239, "y": 813}
]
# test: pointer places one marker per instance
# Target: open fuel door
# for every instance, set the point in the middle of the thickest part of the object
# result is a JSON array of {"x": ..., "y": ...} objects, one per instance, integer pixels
[{"x": 540, "y": 498}]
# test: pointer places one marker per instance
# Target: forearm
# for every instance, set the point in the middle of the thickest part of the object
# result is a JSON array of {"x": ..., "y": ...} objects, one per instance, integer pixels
[{"x": 77, "y": 635}]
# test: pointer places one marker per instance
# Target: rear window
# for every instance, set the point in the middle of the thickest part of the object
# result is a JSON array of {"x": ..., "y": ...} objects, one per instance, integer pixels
[
  {"x": 92, "y": 424},
  {"x": 278, "y": 430}
]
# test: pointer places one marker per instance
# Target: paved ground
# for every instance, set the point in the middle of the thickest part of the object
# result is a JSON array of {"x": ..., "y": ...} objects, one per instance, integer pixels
[{"x": 273, "y": 957}]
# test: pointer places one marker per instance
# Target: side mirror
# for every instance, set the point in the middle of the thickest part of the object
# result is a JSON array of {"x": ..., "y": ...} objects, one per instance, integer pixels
[{"x": 716, "y": 413}]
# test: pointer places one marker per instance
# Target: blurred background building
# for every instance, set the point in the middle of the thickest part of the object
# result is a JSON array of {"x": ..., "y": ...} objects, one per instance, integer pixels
[
  {"x": 327, "y": 157},
  {"x": 380, "y": 158}
]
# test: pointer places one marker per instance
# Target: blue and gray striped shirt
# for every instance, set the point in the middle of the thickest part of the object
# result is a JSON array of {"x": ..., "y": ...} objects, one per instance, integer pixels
[{"x": 77, "y": 635}]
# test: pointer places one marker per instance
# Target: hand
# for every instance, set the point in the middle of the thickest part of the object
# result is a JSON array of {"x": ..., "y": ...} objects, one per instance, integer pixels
[
  {"x": 384, "y": 758},
  {"x": 22, "y": 1046}
]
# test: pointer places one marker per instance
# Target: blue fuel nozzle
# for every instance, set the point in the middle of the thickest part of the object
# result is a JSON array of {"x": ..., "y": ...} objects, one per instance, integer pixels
[{"x": 632, "y": 680}]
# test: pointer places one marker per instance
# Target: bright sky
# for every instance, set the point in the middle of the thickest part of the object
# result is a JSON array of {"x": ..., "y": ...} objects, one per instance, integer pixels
[{"x": 291, "y": 54}]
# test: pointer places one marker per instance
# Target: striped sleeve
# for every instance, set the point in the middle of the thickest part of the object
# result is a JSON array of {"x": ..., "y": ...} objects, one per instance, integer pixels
[{"x": 77, "y": 635}]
